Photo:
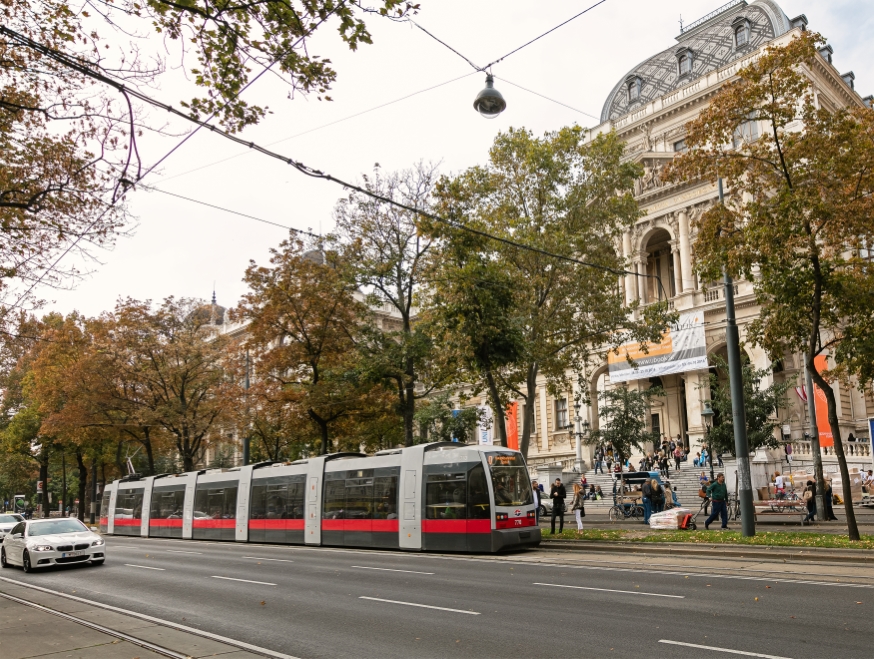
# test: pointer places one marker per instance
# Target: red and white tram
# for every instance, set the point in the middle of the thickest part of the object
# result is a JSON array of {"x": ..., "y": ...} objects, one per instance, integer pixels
[{"x": 432, "y": 497}]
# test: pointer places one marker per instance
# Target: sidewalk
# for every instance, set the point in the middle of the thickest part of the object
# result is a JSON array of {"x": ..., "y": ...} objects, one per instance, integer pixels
[{"x": 85, "y": 631}]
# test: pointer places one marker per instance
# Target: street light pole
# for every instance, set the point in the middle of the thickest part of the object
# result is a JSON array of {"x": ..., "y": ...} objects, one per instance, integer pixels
[{"x": 738, "y": 410}]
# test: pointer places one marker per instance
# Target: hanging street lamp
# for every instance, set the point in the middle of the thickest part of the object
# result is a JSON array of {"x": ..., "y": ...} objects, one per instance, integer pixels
[{"x": 489, "y": 102}]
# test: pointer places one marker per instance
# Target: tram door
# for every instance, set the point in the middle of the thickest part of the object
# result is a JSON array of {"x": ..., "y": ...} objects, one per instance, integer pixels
[{"x": 411, "y": 497}]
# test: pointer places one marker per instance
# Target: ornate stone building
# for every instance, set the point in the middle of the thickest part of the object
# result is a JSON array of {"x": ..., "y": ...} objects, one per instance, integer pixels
[{"x": 649, "y": 108}]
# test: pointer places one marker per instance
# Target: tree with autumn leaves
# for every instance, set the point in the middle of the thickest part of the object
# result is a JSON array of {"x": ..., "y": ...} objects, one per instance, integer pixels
[{"x": 797, "y": 221}]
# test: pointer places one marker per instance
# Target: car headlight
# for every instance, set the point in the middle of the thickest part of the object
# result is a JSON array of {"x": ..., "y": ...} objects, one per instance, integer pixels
[
  {"x": 98, "y": 542},
  {"x": 42, "y": 548}
]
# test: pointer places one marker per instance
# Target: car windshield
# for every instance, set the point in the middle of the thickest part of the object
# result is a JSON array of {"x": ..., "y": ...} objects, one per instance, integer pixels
[
  {"x": 9, "y": 519},
  {"x": 510, "y": 479},
  {"x": 56, "y": 526}
]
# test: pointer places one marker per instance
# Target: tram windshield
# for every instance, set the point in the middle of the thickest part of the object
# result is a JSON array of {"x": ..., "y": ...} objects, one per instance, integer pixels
[{"x": 510, "y": 479}]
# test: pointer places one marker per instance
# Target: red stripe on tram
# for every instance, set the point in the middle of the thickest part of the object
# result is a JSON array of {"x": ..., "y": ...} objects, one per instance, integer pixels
[
  {"x": 128, "y": 522},
  {"x": 171, "y": 523},
  {"x": 385, "y": 525},
  {"x": 215, "y": 523},
  {"x": 281, "y": 524},
  {"x": 456, "y": 526},
  {"x": 361, "y": 525}
]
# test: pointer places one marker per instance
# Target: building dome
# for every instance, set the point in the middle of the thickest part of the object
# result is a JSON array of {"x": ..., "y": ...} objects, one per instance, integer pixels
[{"x": 726, "y": 34}]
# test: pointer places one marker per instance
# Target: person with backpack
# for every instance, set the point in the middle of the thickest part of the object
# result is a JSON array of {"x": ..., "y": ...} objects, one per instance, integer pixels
[
  {"x": 646, "y": 490},
  {"x": 809, "y": 497}
]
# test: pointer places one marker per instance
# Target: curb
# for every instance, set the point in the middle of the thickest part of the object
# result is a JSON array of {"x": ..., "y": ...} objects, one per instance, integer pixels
[{"x": 862, "y": 556}]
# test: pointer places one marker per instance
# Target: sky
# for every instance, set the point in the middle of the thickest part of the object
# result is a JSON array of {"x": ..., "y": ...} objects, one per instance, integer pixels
[{"x": 184, "y": 249}]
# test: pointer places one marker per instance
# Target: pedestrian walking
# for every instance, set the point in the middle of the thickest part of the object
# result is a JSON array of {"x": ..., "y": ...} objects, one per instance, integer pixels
[
  {"x": 718, "y": 494},
  {"x": 719, "y": 460},
  {"x": 646, "y": 491},
  {"x": 657, "y": 496},
  {"x": 809, "y": 497},
  {"x": 558, "y": 494},
  {"x": 577, "y": 506},
  {"x": 678, "y": 457},
  {"x": 536, "y": 491}
]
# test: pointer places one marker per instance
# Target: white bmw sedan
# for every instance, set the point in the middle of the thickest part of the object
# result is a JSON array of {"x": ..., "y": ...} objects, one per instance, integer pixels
[
  {"x": 7, "y": 521},
  {"x": 42, "y": 542}
]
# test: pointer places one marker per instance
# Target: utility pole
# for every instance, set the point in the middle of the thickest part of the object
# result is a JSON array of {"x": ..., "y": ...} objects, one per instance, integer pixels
[
  {"x": 246, "y": 438},
  {"x": 738, "y": 410},
  {"x": 814, "y": 444}
]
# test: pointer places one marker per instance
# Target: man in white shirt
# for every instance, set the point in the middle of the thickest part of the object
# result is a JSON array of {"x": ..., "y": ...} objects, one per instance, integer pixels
[
  {"x": 868, "y": 483},
  {"x": 779, "y": 487},
  {"x": 536, "y": 491}
]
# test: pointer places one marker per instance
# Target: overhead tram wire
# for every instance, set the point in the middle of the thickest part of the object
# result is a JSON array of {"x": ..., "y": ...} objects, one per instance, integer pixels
[
  {"x": 85, "y": 70},
  {"x": 327, "y": 125},
  {"x": 515, "y": 50},
  {"x": 318, "y": 174},
  {"x": 229, "y": 210},
  {"x": 531, "y": 91}
]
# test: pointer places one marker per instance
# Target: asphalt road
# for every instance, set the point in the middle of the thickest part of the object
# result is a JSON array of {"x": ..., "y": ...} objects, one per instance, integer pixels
[{"x": 345, "y": 603}]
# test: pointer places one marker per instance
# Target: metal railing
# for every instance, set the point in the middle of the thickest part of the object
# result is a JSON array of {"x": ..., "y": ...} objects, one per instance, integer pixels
[{"x": 712, "y": 14}]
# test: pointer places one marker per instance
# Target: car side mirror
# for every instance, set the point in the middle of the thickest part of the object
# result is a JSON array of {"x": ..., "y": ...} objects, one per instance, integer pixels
[{"x": 17, "y": 536}]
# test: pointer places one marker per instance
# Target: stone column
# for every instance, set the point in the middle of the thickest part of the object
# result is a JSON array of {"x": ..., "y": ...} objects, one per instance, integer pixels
[
  {"x": 543, "y": 426},
  {"x": 696, "y": 393},
  {"x": 688, "y": 279},
  {"x": 640, "y": 265},
  {"x": 678, "y": 269},
  {"x": 630, "y": 285}
]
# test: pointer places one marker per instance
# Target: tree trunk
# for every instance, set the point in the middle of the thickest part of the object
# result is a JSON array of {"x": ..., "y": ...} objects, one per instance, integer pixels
[
  {"x": 44, "y": 477},
  {"x": 528, "y": 410},
  {"x": 409, "y": 405},
  {"x": 83, "y": 482},
  {"x": 64, "y": 501},
  {"x": 846, "y": 493},
  {"x": 497, "y": 405},
  {"x": 147, "y": 444},
  {"x": 323, "y": 431}
]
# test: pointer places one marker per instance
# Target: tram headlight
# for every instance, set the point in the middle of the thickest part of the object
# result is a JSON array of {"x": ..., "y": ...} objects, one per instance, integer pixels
[
  {"x": 532, "y": 514},
  {"x": 500, "y": 516}
]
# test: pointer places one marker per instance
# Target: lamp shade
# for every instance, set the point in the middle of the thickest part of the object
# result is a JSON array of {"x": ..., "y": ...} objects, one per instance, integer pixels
[{"x": 489, "y": 102}]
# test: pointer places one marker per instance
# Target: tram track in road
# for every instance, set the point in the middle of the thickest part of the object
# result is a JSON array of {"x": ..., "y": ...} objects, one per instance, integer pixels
[{"x": 363, "y": 603}]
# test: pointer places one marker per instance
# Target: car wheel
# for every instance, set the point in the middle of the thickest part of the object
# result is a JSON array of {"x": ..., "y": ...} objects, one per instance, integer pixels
[
  {"x": 543, "y": 511},
  {"x": 99, "y": 561},
  {"x": 25, "y": 562},
  {"x": 3, "y": 561}
]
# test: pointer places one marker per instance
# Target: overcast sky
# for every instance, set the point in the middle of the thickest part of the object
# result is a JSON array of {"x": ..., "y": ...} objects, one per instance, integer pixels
[{"x": 183, "y": 249}]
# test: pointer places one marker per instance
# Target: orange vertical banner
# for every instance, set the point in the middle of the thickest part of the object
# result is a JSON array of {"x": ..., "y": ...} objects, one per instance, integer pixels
[
  {"x": 825, "y": 432},
  {"x": 513, "y": 426}
]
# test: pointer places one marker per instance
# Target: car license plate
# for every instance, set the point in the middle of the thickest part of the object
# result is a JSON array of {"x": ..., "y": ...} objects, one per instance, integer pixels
[{"x": 71, "y": 553}]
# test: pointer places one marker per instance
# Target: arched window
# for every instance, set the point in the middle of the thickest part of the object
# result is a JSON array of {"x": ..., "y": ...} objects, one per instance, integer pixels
[
  {"x": 685, "y": 64},
  {"x": 684, "y": 61},
  {"x": 633, "y": 90},
  {"x": 740, "y": 26}
]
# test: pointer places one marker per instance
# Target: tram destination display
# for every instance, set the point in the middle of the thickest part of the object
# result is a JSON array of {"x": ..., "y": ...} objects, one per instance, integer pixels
[{"x": 682, "y": 348}]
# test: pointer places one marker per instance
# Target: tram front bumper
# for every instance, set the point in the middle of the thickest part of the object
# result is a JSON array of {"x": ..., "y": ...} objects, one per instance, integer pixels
[{"x": 528, "y": 536}]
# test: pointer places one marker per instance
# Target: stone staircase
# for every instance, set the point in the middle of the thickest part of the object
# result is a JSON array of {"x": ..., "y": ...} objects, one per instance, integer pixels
[{"x": 685, "y": 484}]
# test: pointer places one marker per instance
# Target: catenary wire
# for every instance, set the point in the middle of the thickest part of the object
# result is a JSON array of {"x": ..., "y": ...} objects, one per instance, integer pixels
[
  {"x": 85, "y": 70},
  {"x": 327, "y": 125},
  {"x": 531, "y": 91},
  {"x": 515, "y": 50},
  {"x": 152, "y": 188},
  {"x": 312, "y": 172}
]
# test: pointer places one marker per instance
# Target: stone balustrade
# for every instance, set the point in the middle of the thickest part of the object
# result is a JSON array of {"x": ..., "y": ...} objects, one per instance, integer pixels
[{"x": 802, "y": 449}]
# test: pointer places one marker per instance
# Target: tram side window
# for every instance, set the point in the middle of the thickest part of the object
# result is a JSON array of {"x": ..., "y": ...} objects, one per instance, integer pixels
[
  {"x": 216, "y": 503},
  {"x": 334, "y": 506},
  {"x": 478, "y": 504},
  {"x": 167, "y": 505},
  {"x": 104, "y": 504},
  {"x": 446, "y": 496},
  {"x": 129, "y": 504},
  {"x": 385, "y": 497},
  {"x": 359, "y": 498},
  {"x": 279, "y": 499}
]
